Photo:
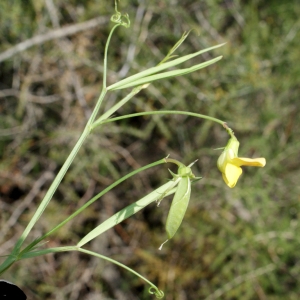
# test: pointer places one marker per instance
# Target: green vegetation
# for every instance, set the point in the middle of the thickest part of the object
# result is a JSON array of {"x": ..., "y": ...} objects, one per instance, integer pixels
[{"x": 239, "y": 243}]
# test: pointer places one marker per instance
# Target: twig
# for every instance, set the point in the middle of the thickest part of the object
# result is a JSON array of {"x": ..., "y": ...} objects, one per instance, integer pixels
[{"x": 51, "y": 35}]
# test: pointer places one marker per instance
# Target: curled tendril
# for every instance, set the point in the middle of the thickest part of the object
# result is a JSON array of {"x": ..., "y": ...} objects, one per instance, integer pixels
[
  {"x": 119, "y": 18},
  {"x": 158, "y": 293}
]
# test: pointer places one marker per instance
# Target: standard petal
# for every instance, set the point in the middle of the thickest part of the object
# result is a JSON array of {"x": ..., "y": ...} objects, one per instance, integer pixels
[
  {"x": 254, "y": 162},
  {"x": 232, "y": 174}
]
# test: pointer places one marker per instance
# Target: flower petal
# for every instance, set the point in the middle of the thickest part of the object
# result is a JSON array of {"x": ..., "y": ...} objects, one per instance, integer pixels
[
  {"x": 232, "y": 174},
  {"x": 254, "y": 162}
]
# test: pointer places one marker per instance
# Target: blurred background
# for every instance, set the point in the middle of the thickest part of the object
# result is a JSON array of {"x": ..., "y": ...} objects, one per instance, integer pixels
[{"x": 240, "y": 243}]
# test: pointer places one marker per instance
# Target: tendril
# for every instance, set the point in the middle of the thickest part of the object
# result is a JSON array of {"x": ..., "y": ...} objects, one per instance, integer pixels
[
  {"x": 158, "y": 293},
  {"x": 120, "y": 19}
]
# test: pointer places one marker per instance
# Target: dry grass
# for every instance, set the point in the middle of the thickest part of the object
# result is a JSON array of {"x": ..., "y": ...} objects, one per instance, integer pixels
[{"x": 233, "y": 244}]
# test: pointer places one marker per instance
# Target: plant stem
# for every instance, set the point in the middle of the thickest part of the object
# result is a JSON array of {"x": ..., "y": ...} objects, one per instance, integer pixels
[
  {"x": 65, "y": 166},
  {"x": 174, "y": 161},
  {"x": 105, "y": 55},
  {"x": 35, "y": 242},
  {"x": 14, "y": 254},
  {"x": 113, "y": 109},
  {"x": 51, "y": 190},
  {"x": 160, "y": 112},
  {"x": 158, "y": 293}
]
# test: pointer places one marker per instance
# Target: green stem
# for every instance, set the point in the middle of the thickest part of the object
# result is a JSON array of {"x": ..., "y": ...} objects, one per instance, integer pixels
[
  {"x": 9, "y": 261},
  {"x": 59, "y": 177},
  {"x": 51, "y": 190},
  {"x": 105, "y": 55},
  {"x": 229, "y": 130},
  {"x": 113, "y": 109},
  {"x": 161, "y": 112},
  {"x": 14, "y": 254},
  {"x": 35, "y": 242},
  {"x": 174, "y": 161},
  {"x": 96, "y": 109},
  {"x": 68, "y": 161},
  {"x": 158, "y": 293}
]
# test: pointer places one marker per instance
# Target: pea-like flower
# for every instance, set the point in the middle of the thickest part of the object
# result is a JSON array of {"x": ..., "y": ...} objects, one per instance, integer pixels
[{"x": 230, "y": 164}]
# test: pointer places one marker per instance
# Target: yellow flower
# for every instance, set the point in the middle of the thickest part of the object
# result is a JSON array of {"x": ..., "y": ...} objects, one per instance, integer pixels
[{"x": 230, "y": 164}]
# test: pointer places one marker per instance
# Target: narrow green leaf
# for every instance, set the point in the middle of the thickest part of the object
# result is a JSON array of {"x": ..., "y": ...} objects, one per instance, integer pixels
[
  {"x": 169, "y": 74},
  {"x": 128, "y": 211},
  {"x": 175, "y": 47},
  {"x": 96, "y": 197},
  {"x": 160, "y": 68},
  {"x": 47, "y": 251}
]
